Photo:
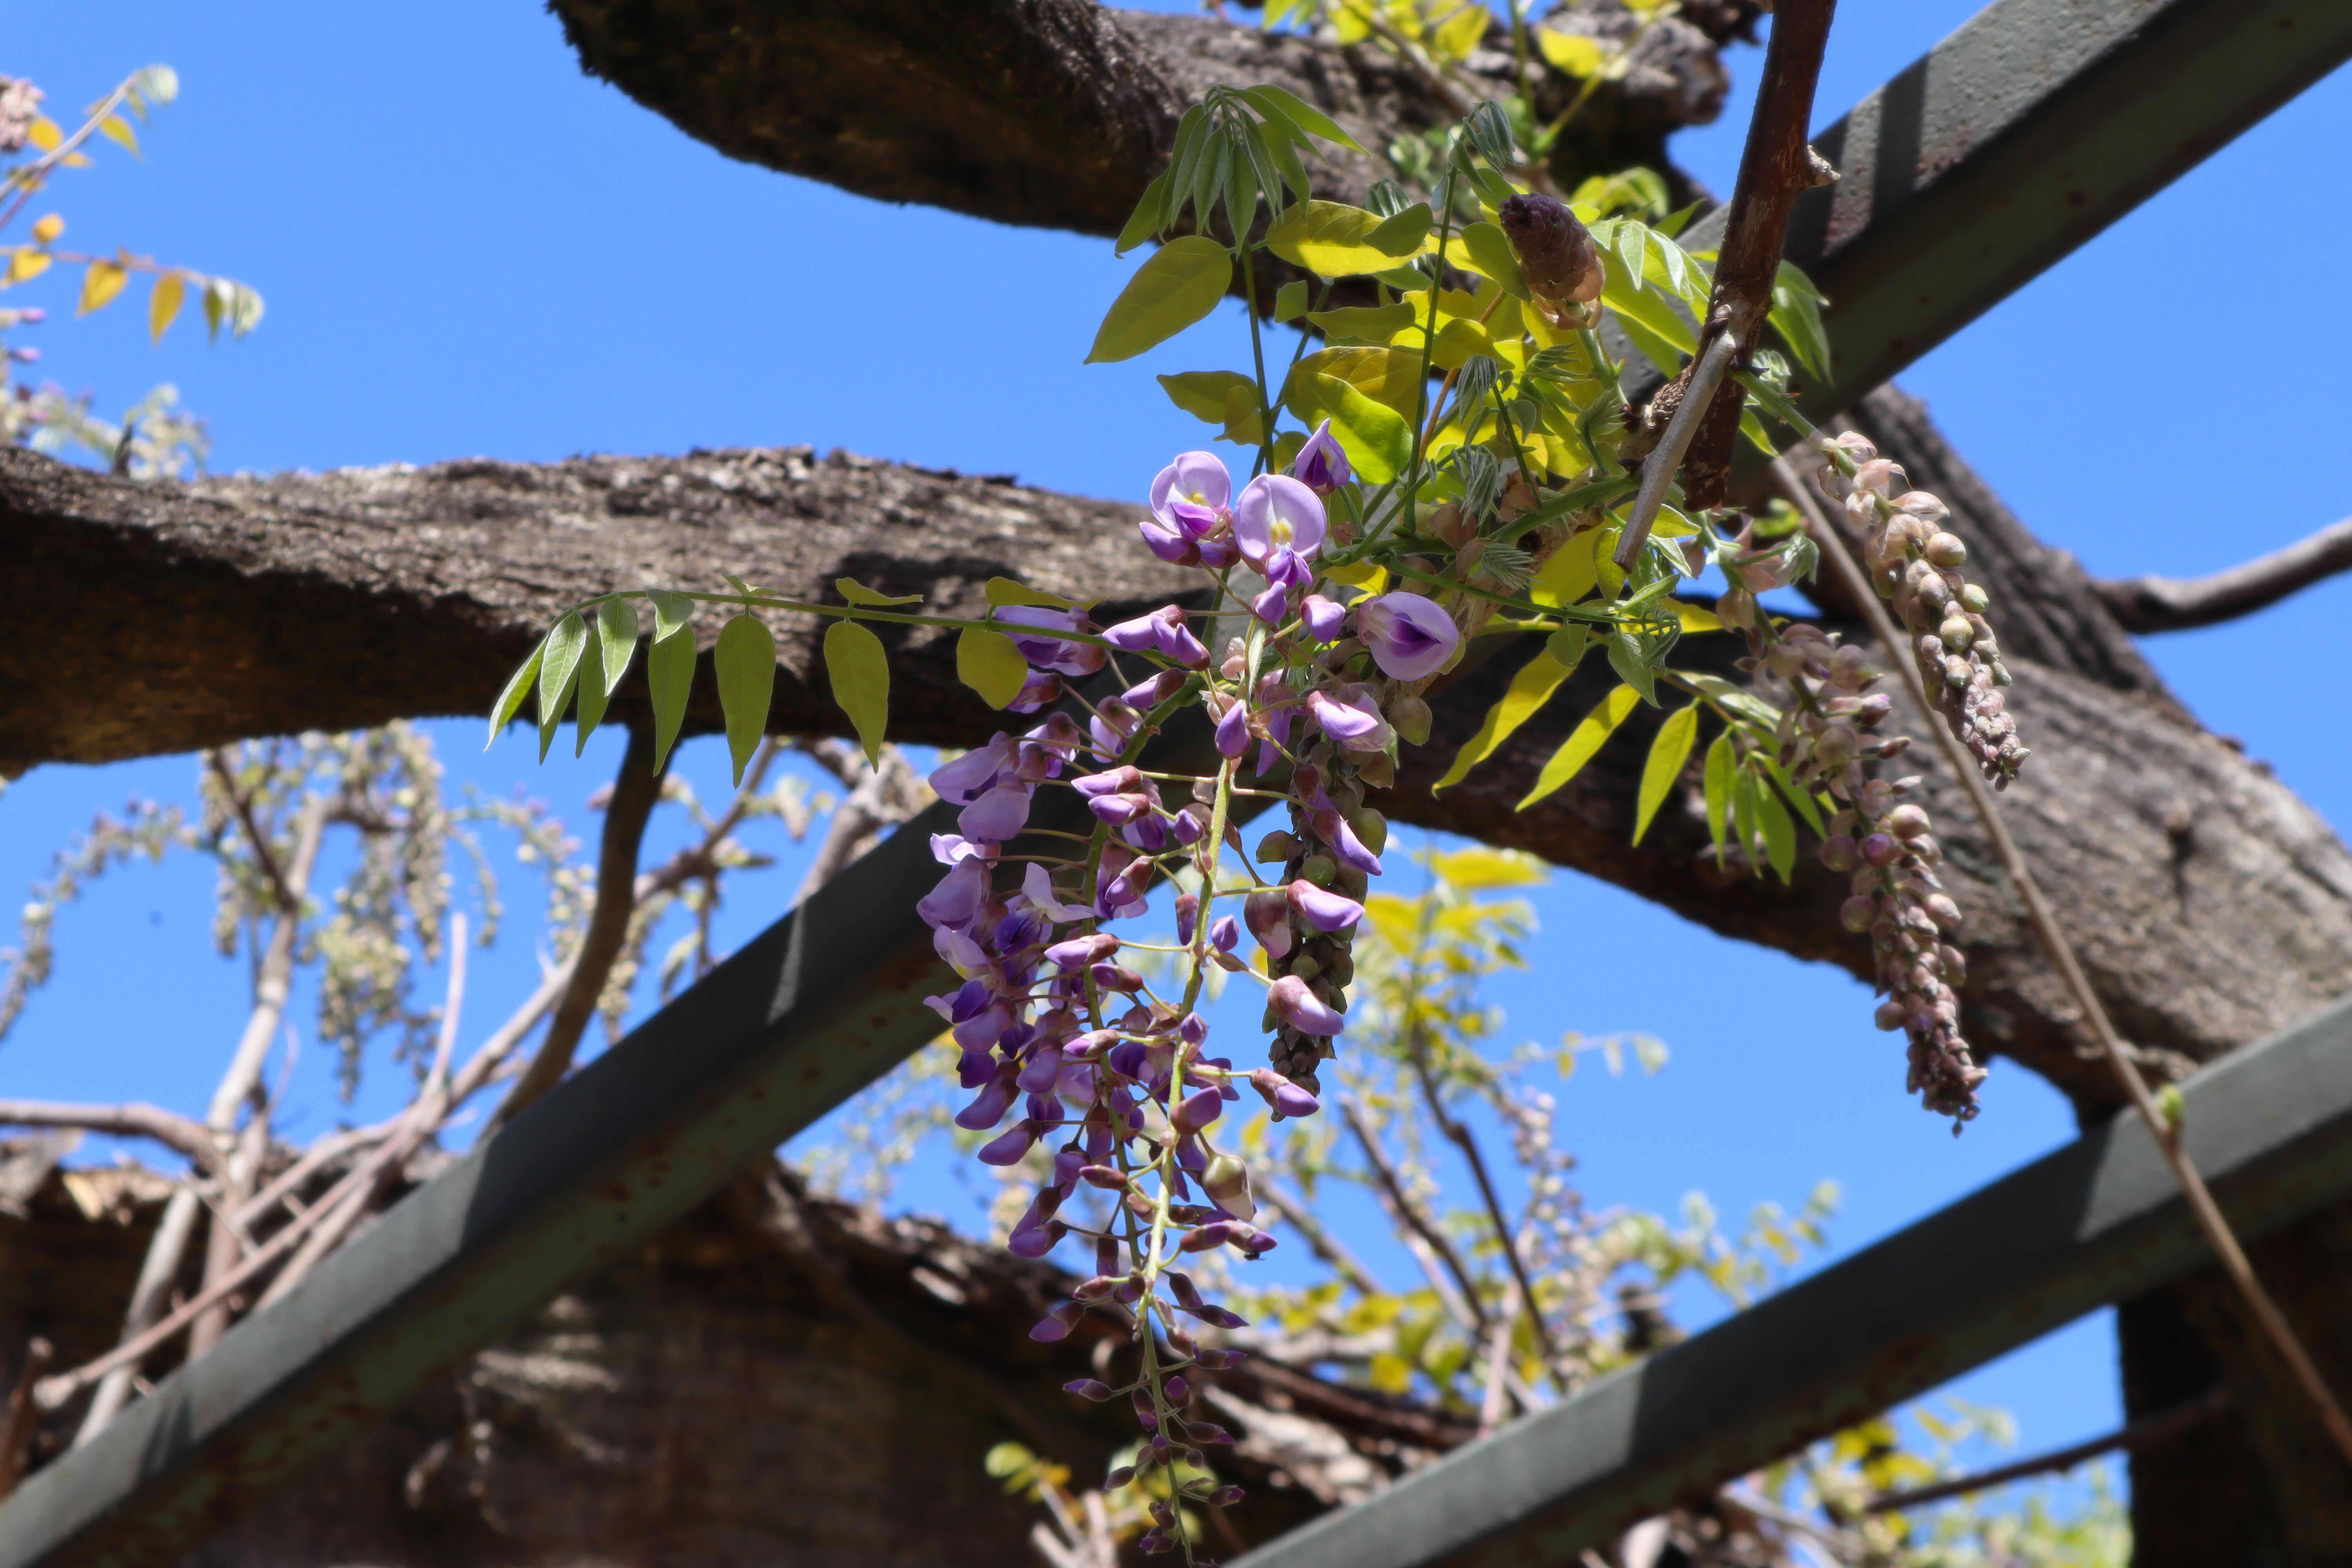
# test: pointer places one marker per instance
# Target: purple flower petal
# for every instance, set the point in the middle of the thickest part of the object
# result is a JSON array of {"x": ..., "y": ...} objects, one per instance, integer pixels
[
  {"x": 1277, "y": 513},
  {"x": 1410, "y": 637},
  {"x": 1321, "y": 465},
  {"x": 1194, "y": 481},
  {"x": 1323, "y": 619},
  {"x": 1304, "y": 1011},
  {"x": 1326, "y": 911}
]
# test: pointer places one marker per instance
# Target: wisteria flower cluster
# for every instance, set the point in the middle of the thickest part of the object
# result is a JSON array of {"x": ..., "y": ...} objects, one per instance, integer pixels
[{"x": 1064, "y": 1043}]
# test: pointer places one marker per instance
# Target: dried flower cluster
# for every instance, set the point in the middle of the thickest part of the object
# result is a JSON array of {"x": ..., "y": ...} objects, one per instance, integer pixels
[
  {"x": 1916, "y": 563},
  {"x": 1829, "y": 734}
]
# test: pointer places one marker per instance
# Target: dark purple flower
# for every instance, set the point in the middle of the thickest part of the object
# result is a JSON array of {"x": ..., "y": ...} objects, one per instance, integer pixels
[
  {"x": 1232, "y": 730},
  {"x": 957, "y": 895},
  {"x": 1273, "y": 606},
  {"x": 997, "y": 815},
  {"x": 1333, "y": 829},
  {"x": 1321, "y": 465},
  {"x": 1008, "y": 1149},
  {"x": 967, "y": 778},
  {"x": 1198, "y": 1110},
  {"x": 1225, "y": 934},
  {"x": 1056, "y": 1325},
  {"x": 1042, "y": 1073},
  {"x": 1042, "y": 688},
  {"x": 1410, "y": 637},
  {"x": 989, "y": 1106}
]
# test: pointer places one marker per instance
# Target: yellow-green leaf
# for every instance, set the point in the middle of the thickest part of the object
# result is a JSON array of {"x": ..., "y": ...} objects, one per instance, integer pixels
[
  {"x": 594, "y": 694},
  {"x": 27, "y": 263},
  {"x": 1004, "y": 591},
  {"x": 559, "y": 673},
  {"x": 44, "y": 134},
  {"x": 617, "y": 637},
  {"x": 1668, "y": 753},
  {"x": 1291, "y": 300},
  {"x": 1582, "y": 742},
  {"x": 1529, "y": 689},
  {"x": 1459, "y": 34},
  {"x": 117, "y": 130},
  {"x": 991, "y": 664},
  {"x": 1288, "y": 109},
  {"x": 1333, "y": 240},
  {"x": 1721, "y": 763},
  {"x": 1202, "y": 393},
  {"x": 1697, "y": 619},
  {"x": 1402, "y": 234},
  {"x": 1363, "y": 323},
  {"x": 1572, "y": 53},
  {"x": 669, "y": 676},
  {"x": 518, "y": 687},
  {"x": 857, "y": 593},
  {"x": 860, "y": 672},
  {"x": 163, "y": 304},
  {"x": 1779, "y": 833},
  {"x": 1387, "y": 376},
  {"x": 672, "y": 610},
  {"x": 745, "y": 665},
  {"x": 1179, "y": 285},
  {"x": 1490, "y": 252},
  {"x": 100, "y": 285},
  {"x": 1570, "y": 572}
]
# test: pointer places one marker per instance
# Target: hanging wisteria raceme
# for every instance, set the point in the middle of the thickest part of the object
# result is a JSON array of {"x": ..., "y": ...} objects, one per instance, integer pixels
[{"x": 1066, "y": 1045}]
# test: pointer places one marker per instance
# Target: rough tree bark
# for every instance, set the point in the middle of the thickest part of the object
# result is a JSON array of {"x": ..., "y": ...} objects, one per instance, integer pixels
[{"x": 2212, "y": 906}]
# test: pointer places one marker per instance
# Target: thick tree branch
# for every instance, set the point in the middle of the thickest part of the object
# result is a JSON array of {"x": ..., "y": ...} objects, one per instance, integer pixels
[
  {"x": 182, "y": 1135},
  {"x": 1057, "y": 112},
  {"x": 2178, "y": 603}
]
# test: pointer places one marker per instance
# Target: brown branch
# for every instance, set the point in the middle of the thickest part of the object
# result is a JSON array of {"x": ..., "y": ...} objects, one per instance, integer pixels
[
  {"x": 2054, "y": 941},
  {"x": 2153, "y": 604},
  {"x": 1320, "y": 1239},
  {"x": 1775, "y": 166},
  {"x": 2140, "y": 1434},
  {"x": 182, "y": 1135},
  {"x": 635, "y": 794},
  {"x": 242, "y": 803}
]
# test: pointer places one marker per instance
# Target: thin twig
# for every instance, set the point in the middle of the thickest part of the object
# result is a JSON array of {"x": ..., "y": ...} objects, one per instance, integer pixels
[
  {"x": 182, "y": 1135},
  {"x": 1658, "y": 467},
  {"x": 1409, "y": 1211},
  {"x": 1461, "y": 1137},
  {"x": 2140, "y": 1434},
  {"x": 2045, "y": 923},
  {"x": 242, "y": 803},
  {"x": 2174, "y": 604}
]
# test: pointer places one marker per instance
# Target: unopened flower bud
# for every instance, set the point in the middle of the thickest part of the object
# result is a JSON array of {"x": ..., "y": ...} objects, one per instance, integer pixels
[
  {"x": 1907, "y": 821},
  {"x": 1857, "y": 912},
  {"x": 1556, "y": 253},
  {"x": 1409, "y": 717},
  {"x": 1957, "y": 633},
  {"x": 1276, "y": 847},
  {"x": 1946, "y": 550},
  {"x": 1838, "y": 852}
]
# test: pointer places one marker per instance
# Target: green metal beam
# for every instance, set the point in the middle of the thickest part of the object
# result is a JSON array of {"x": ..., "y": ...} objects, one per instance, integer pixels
[{"x": 2098, "y": 1221}]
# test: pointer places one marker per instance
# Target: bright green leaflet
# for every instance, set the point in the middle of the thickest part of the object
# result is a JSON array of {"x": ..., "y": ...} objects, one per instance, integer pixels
[
  {"x": 1529, "y": 689},
  {"x": 991, "y": 664},
  {"x": 1667, "y": 755},
  {"x": 1179, "y": 285},
  {"x": 860, "y": 672},
  {"x": 593, "y": 693},
  {"x": 1779, "y": 833},
  {"x": 1719, "y": 765},
  {"x": 745, "y": 665},
  {"x": 559, "y": 671},
  {"x": 1377, "y": 438},
  {"x": 1582, "y": 742},
  {"x": 518, "y": 687},
  {"x": 670, "y": 675}
]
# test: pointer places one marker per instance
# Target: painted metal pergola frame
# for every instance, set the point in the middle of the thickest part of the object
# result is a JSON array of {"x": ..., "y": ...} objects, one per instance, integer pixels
[{"x": 2010, "y": 144}]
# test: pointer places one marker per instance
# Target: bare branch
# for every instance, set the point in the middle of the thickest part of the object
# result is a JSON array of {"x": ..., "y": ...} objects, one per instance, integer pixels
[
  {"x": 635, "y": 794},
  {"x": 24, "y": 1412},
  {"x": 1408, "y": 1215},
  {"x": 1320, "y": 1239},
  {"x": 2153, "y": 604},
  {"x": 2140, "y": 1434},
  {"x": 182, "y": 1135}
]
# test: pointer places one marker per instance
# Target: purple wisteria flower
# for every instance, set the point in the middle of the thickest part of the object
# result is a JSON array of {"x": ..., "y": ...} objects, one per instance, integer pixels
[
  {"x": 1410, "y": 637},
  {"x": 1321, "y": 465},
  {"x": 1046, "y": 651},
  {"x": 1279, "y": 527}
]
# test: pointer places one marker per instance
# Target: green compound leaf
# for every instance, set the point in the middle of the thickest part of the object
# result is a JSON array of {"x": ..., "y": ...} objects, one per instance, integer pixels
[
  {"x": 860, "y": 672},
  {"x": 1145, "y": 221},
  {"x": 1331, "y": 239},
  {"x": 559, "y": 672},
  {"x": 1179, "y": 285},
  {"x": 991, "y": 664},
  {"x": 671, "y": 611},
  {"x": 519, "y": 686},
  {"x": 617, "y": 637},
  {"x": 1667, "y": 755},
  {"x": 745, "y": 665},
  {"x": 1582, "y": 743},
  {"x": 1529, "y": 689},
  {"x": 1403, "y": 234},
  {"x": 1290, "y": 113},
  {"x": 669, "y": 674},
  {"x": 1290, "y": 301}
]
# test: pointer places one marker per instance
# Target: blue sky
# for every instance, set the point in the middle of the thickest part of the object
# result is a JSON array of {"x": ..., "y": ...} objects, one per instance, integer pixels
[{"x": 467, "y": 248}]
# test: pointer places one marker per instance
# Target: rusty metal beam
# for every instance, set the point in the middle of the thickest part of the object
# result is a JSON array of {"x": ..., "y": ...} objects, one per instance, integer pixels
[
  {"x": 2013, "y": 142},
  {"x": 2097, "y": 1222}
]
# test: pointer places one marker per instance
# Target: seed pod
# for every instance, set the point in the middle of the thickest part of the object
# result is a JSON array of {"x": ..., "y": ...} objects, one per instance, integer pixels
[{"x": 1556, "y": 252}]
